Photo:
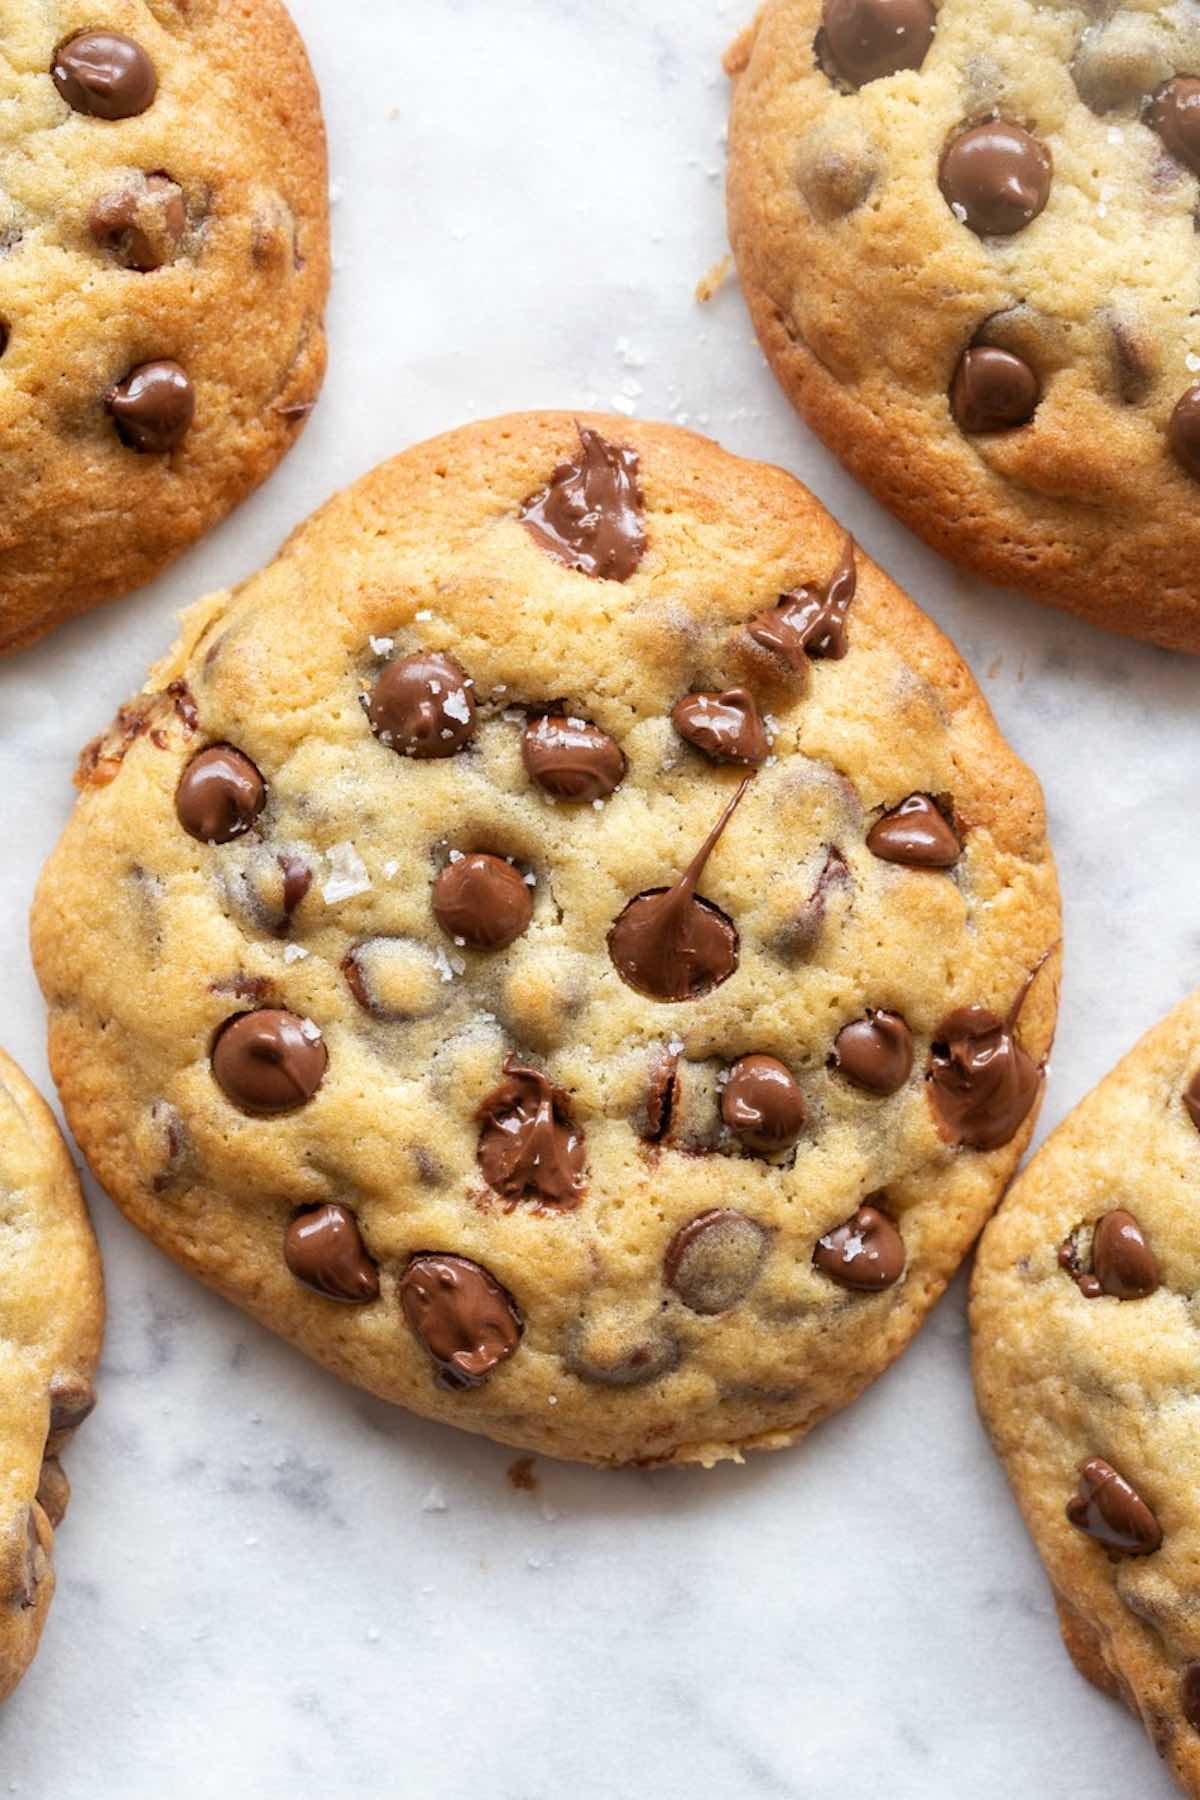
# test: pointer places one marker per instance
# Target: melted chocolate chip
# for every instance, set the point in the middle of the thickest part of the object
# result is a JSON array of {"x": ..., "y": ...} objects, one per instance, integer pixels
[
  {"x": 661, "y": 1096},
  {"x": 1122, "y": 1260},
  {"x": 53, "y": 1491},
  {"x": 996, "y": 177},
  {"x": 670, "y": 944},
  {"x": 1070, "y": 1259},
  {"x": 1108, "y": 1509},
  {"x": 1184, "y": 431},
  {"x": 866, "y": 1253},
  {"x": 153, "y": 407},
  {"x": 763, "y": 1105},
  {"x": 590, "y": 517},
  {"x": 140, "y": 226},
  {"x": 713, "y": 1261},
  {"x": 726, "y": 727},
  {"x": 482, "y": 901},
  {"x": 324, "y": 1249},
  {"x": 422, "y": 706},
  {"x": 1175, "y": 114},
  {"x": 461, "y": 1314},
  {"x": 268, "y": 1061},
  {"x": 875, "y": 1052},
  {"x": 917, "y": 834},
  {"x": 104, "y": 75},
  {"x": 810, "y": 622},
  {"x": 571, "y": 759},
  {"x": 982, "y": 1083},
  {"x": 868, "y": 39},
  {"x": 529, "y": 1145},
  {"x": 220, "y": 795},
  {"x": 993, "y": 390},
  {"x": 798, "y": 936}
]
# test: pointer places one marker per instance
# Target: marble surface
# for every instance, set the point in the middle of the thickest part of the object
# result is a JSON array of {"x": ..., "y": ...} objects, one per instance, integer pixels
[{"x": 271, "y": 1586}]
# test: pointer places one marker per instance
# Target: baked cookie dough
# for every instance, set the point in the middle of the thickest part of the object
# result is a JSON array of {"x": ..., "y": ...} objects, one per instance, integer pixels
[
  {"x": 51, "y": 1316},
  {"x": 1087, "y": 1368},
  {"x": 966, "y": 231},
  {"x": 566, "y": 946},
  {"x": 164, "y": 263}
]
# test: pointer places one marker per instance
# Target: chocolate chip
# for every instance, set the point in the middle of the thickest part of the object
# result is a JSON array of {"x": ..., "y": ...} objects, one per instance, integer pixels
[
  {"x": 1108, "y": 1509},
  {"x": 153, "y": 407},
  {"x": 53, "y": 1491},
  {"x": 982, "y": 1083},
  {"x": 1120, "y": 61},
  {"x": 1071, "y": 1259},
  {"x": 529, "y": 1145},
  {"x": 996, "y": 177},
  {"x": 837, "y": 168},
  {"x": 1122, "y": 1260},
  {"x": 1184, "y": 431},
  {"x": 661, "y": 1097},
  {"x": 1174, "y": 113},
  {"x": 297, "y": 879},
  {"x": 866, "y": 1253},
  {"x": 269, "y": 1061},
  {"x": 463, "y": 1317},
  {"x": 1189, "y": 1695},
  {"x": 713, "y": 1261},
  {"x": 72, "y": 1400},
  {"x": 620, "y": 1353},
  {"x": 868, "y": 39},
  {"x": 422, "y": 706},
  {"x": 142, "y": 225},
  {"x": 571, "y": 759},
  {"x": 590, "y": 516},
  {"x": 993, "y": 390},
  {"x": 875, "y": 1052},
  {"x": 726, "y": 727},
  {"x": 1191, "y": 1099},
  {"x": 105, "y": 75},
  {"x": 915, "y": 833},
  {"x": 763, "y": 1105},
  {"x": 32, "y": 1565},
  {"x": 670, "y": 944},
  {"x": 799, "y": 935},
  {"x": 220, "y": 795},
  {"x": 394, "y": 979},
  {"x": 324, "y": 1249},
  {"x": 482, "y": 901},
  {"x": 810, "y": 622}
]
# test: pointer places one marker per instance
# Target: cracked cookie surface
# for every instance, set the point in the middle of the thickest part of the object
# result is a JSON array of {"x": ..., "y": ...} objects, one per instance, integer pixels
[{"x": 428, "y": 979}]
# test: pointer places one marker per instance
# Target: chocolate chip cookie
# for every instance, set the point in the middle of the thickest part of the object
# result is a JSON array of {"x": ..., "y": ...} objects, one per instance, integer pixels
[
  {"x": 1087, "y": 1370},
  {"x": 51, "y": 1316},
  {"x": 164, "y": 263},
  {"x": 566, "y": 945},
  {"x": 967, "y": 236}
]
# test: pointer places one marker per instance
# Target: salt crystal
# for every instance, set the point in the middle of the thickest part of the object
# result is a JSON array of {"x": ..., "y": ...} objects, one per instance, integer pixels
[
  {"x": 530, "y": 880},
  {"x": 294, "y": 953},
  {"x": 1192, "y": 361},
  {"x": 347, "y": 875},
  {"x": 383, "y": 646},
  {"x": 959, "y": 211},
  {"x": 623, "y": 404},
  {"x": 435, "y": 1500},
  {"x": 457, "y": 706},
  {"x": 456, "y": 856},
  {"x": 390, "y": 867},
  {"x": 442, "y": 964},
  {"x": 310, "y": 1030}
]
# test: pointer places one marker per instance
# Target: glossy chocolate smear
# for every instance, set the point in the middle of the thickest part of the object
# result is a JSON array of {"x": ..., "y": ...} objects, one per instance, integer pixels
[
  {"x": 529, "y": 1145},
  {"x": 670, "y": 944},
  {"x": 868, "y": 39},
  {"x": 1108, "y": 1509},
  {"x": 572, "y": 759},
  {"x": 462, "y": 1316},
  {"x": 220, "y": 795},
  {"x": 713, "y": 1261},
  {"x": 269, "y": 1061},
  {"x": 917, "y": 834},
  {"x": 996, "y": 177},
  {"x": 875, "y": 1052},
  {"x": 993, "y": 390},
  {"x": 982, "y": 1083},
  {"x": 1184, "y": 431},
  {"x": 1175, "y": 115},
  {"x": 1122, "y": 1260},
  {"x": 762, "y": 1103},
  {"x": 590, "y": 517},
  {"x": 324, "y": 1249},
  {"x": 153, "y": 408},
  {"x": 810, "y": 622},
  {"x": 105, "y": 75},
  {"x": 482, "y": 901},
  {"x": 140, "y": 226},
  {"x": 726, "y": 727},
  {"x": 866, "y": 1253},
  {"x": 422, "y": 706}
]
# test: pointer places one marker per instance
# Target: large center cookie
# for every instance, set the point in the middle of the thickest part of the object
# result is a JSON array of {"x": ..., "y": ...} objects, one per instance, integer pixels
[
  {"x": 967, "y": 235},
  {"x": 566, "y": 945},
  {"x": 164, "y": 262},
  {"x": 51, "y": 1315}
]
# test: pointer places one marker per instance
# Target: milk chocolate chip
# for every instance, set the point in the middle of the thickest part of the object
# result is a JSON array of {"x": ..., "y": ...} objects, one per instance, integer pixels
[
  {"x": 422, "y": 706},
  {"x": 269, "y": 1061},
  {"x": 866, "y": 1253},
  {"x": 763, "y": 1104},
  {"x": 220, "y": 795},
  {"x": 324, "y": 1249},
  {"x": 868, "y": 39},
  {"x": 104, "y": 75},
  {"x": 620, "y": 1353},
  {"x": 1109, "y": 1510},
  {"x": 726, "y": 727},
  {"x": 875, "y": 1052},
  {"x": 140, "y": 226},
  {"x": 1122, "y": 1260},
  {"x": 571, "y": 759},
  {"x": 153, "y": 407},
  {"x": 529, "y": 1145},
  {"x": 810, "y": 622},
  {"x": 463, "y": 1317},
  {"x": 1184, "y": 431},
  {"x": 590, "y": 517},
  {"x": 982, "y": 1083},
  {"x": 713, "y": 1261},
  {"x": 1175, "y": 114},
  {"x": 1191, "y": 1099},
  {"x": 993, "y": 390},
  {"x": 996, "y": 177},
  {"x": 915, "y": 833},
  {"x": 482, "y": 901}
]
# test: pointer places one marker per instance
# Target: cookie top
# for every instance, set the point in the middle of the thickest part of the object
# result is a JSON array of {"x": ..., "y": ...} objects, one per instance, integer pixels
[
  {"x": 557, "y": 945},
  {"x": 1087, "y": 1368},
  {"x": 967, "y": 235},
  {"x": 164, "y": 263},
  {"x": 51, "y": 1316}
]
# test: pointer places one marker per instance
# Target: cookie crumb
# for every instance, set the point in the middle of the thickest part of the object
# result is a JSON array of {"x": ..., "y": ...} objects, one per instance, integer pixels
[{"x": 710, "y": 285}]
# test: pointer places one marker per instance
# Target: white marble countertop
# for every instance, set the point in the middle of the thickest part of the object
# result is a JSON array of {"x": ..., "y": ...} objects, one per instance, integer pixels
[{"x": 270, "y": 1586}]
